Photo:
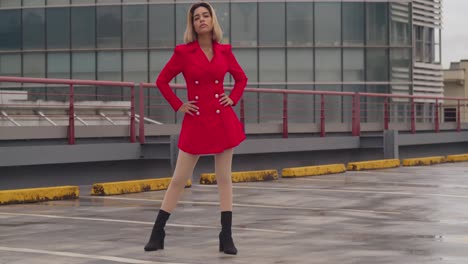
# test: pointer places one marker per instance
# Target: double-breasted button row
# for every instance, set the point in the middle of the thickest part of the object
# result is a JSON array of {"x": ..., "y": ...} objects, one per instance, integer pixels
[
  {"x": 216, "y": 82},
  {"x": 215, "y": 96},
  {"x": 217, "y": 112}
]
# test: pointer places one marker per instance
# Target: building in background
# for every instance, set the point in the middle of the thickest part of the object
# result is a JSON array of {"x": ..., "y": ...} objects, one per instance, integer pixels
[
  {"x": 359, "y": 46},
  {"x": 456, "y": 85}
]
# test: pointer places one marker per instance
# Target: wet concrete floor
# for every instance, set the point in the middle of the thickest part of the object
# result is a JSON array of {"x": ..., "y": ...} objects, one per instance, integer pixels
[{"x": 403, "y": 215}]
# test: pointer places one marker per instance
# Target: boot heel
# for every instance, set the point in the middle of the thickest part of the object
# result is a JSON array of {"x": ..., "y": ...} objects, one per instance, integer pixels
[{"x": 221, "y": 246}]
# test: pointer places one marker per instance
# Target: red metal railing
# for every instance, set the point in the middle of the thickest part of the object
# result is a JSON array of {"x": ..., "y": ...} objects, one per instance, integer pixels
[
  {"x": 72, "y": 94},
  {"x": 322, "y": 110}
]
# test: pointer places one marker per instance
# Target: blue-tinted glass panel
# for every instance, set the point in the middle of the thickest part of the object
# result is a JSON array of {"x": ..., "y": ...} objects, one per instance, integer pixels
[
  {"x": 10, "y": 30},
  {"x": 33, "y": 28},
  {"x": 327, "y": 24},
  {"x": 58, "y": 28},
  {"x": 109, "y": 26},
  {"x": 271, "y": 24},
  {"x": 244, "y": 24},
  {"x": 377, "y": 23},
  {"x": 353, "y": 23},
  {"x": 181, "y": 21},
  {"x": 30, "y": 3},
  {"x": 135, "y": 26},
  {"x": 83, "y": 27},
  {"x": 34, "y": 65},
  {"x": 353, "y": 65},
  {"x": 135, "y": 66},
  {"x": 300, "y": 24},
  {"x": 58, "y": 2},
  {"x": 161, "y": 36},
  {"x": 58, "y": 66},
  {"x": 84, "y": 67},
  {"x": 222, "y": 12},
  {"x": 109, "y": 69},
  {"x": 377, "y": 64},
  {"x": 300, "y": 65},
  {"x": 327, "y": 65},
  {"x": 160, "y": 109},
  {"x": 10, "y": 3},
  {"x": 10, "y": 65}
]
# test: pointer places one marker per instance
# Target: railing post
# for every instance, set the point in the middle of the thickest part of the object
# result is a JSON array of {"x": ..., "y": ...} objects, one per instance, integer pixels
[
  {"x": 132, "y": 114},
  {"x": 356, "y": 123},
  {"x": 386, "y": 114},
  {"x": 436, "y": 119},
  {"x": 322, "y": 115},
  {"x": 141, "y": 134},
  {"x": 71, "y": 116},
  {"x": 242, "y": 113},
  {"x": 413, "y": 116},
  {"x": 285, "y": 115},
  {"x": 458, "y": 116}
]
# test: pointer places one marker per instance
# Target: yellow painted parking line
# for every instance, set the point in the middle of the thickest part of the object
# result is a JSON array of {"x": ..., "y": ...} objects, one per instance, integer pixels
[
  {"x": 457, "y": 158},
  {"x": 136, "y": 186},
  {"x": 313, "y": 170},
  {"x": 373, "y": 164},
  {"x": 423, "y": 161},
  {"x": 39, "y": 194},
  {"x": 243, "y": 176}
]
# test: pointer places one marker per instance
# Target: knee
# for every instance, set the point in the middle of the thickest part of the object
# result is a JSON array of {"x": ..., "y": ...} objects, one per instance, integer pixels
[{"x": 178, "y": 182}]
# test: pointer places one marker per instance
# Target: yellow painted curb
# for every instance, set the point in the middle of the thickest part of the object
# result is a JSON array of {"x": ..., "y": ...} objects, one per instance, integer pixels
[
  {"x": 457, "y": 158},
  {"x": 123, "y": 187},
  {"x": 313, "y": 170},
  {"x": 373, "y": 164},
  {"x": 39, "y": 194},
  {"x": 423, "y": 161},
  {"x": 243, "y": 176}
]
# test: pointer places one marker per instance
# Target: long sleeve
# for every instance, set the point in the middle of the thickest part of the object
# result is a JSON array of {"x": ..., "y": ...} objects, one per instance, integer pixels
[
  {"x": 239, "y": 77},
  {"x": 173, "y": 67}
]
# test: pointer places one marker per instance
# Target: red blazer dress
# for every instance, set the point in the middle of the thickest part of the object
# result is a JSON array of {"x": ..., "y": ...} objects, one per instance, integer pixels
[{"x": 214, "y": 128}]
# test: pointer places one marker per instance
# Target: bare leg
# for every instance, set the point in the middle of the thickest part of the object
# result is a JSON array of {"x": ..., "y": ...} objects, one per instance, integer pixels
[
  {"x": 184, "y": 169},
  {"x": 223, "y": 166}
]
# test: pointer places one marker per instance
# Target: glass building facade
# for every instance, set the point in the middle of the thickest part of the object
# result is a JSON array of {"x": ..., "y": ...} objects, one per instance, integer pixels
[{"x": 359, "y": 46}]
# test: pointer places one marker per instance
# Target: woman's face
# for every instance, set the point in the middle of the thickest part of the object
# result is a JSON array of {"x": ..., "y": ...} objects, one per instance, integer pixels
[{"x": 202, "y": 21}]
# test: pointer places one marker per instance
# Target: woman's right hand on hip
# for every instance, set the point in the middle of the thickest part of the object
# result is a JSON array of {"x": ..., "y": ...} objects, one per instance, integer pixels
[{"x": 189, "y": 108}]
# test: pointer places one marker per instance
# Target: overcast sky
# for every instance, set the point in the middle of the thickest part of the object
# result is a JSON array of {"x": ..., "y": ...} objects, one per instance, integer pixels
[{"x": 454, "y": 31}]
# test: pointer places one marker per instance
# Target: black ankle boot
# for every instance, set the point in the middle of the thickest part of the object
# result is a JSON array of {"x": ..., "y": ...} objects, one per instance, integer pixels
[
  {"x": 156, "y": 240},
  {"x": 226, "y": 244}
]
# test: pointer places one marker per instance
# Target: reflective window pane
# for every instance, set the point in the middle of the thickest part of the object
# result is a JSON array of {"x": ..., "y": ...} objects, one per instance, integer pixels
[
  {"x": 83, "y": 30},
  {"x": 77, "y": 2},
  {"x": 34, "y": 2},
  {"x": 271, "y": 19},
  {"x": 377, "y": 23},
  {"x": 272, "y": 65},
  {"x": 353, "y": 65},
  {"x": 58, "y": 65},
  {"x": 84, "y": 65},
  {"x": 181, "y": 21},
  {"x": 58, "y": 28},
  {"x": 33, "y": 28},
  {"x": 135, "y": 25},
  {"x": 135, "y": 66},
  {"x": 108, "y": 1},
  {"x": 353, "y": 23},
  {"x": 300, "y": 65},
  {"x": 300, "y": 23},
  {"x": 10, "y": 3},
  {"x": 161, "y": 36},
  {"x": 377, "y": 64},
  {"x": 58, "y": 2},
  {"x": 222, "y": 12},
  {"x": 109, "y": 26},
  {"x": 327, "y": 65},
  {"x": 10, "y": 30},
  {"x": 400, "y": 60},
  {"x": 244, "y": 24},
  {"x": 327, "y": 23},
  {"x": 34, "y": 65},
  {"x": 160, "y": 109},
  {"x": 109, "y": 69},
  {"x": 10, "y": 65},
  {"x": 400, "y": 24}
]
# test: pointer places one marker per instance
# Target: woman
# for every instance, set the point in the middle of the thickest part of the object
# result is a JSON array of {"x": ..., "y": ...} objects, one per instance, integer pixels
[{"x": 210, "y": 125}]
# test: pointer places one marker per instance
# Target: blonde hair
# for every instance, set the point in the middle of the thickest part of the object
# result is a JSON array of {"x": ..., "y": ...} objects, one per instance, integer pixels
[{"x": 190, "y": 34}]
